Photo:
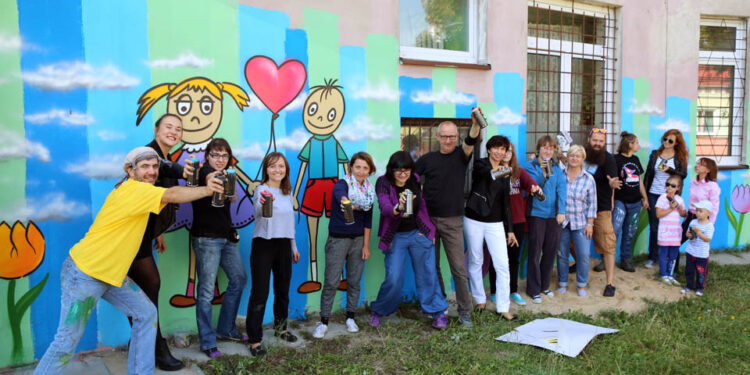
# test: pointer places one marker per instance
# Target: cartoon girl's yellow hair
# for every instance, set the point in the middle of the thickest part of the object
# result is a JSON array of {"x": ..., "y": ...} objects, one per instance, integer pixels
[{"x": 152, "y": 95}]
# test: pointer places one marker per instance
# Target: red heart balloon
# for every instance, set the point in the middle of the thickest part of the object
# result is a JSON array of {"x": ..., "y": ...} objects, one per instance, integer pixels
[{"x": 275, "y": 86}]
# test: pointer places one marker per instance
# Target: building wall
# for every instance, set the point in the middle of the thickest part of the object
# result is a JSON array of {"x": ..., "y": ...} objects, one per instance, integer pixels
[{"x": 71, "y": 74}]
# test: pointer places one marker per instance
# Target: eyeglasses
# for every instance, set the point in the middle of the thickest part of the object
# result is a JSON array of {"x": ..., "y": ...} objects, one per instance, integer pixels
[
  {"x": 215, "y": 155},
  {"x": 402, "y": 171},
  {"x": 598, "y": 130},
  {"x": 672, "y": 185},
  {"x": 448, "y": 137},
  {"x": 668, "y": 140}
]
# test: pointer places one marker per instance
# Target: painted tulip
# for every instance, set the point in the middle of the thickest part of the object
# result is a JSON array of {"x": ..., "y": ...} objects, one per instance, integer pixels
[
  {"x": 741, "y": 198},
  {"x": 21, "y": 249}
]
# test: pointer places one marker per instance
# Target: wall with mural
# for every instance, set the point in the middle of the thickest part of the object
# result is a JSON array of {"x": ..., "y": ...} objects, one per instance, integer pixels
[{"x": 82, "y": 82}]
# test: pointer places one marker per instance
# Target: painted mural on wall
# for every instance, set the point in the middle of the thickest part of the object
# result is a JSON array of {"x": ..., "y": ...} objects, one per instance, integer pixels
[{"x": 67, "y": 119}]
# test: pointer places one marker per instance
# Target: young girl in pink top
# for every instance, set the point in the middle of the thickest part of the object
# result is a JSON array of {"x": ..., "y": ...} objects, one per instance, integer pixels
[{"x": 670, "y": 209}]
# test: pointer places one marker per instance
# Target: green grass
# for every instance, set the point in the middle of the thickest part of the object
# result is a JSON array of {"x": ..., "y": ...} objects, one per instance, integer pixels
[{"x": 707, "y": 335}]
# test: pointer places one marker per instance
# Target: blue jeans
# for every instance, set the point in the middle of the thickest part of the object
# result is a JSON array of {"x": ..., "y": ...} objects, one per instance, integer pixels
[
  {"x": 653, "y": 226},
  {"x": 422, "y": 252},
  {"x": 625, "y": 219},
  {"x": 209, "y": 254},
  {"x": 667, "y": 258},
  {"x": 582, "y": 245},
  {"x": 79, "y": 296}
]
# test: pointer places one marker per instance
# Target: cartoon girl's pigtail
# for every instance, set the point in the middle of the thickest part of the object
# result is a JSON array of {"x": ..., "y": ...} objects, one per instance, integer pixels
[
  {"x": 150, "y": 97},
  {"x": 237, "y": 93}
]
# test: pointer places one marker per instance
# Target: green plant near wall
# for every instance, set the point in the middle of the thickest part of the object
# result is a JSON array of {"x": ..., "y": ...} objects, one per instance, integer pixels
[{"x": 21, "y": 252}]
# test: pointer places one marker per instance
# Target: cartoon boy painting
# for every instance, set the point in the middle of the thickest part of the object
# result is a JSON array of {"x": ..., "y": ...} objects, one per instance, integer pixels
[
  {"x": 321, "y": 157},
  {"x": 198, "y": 101}
]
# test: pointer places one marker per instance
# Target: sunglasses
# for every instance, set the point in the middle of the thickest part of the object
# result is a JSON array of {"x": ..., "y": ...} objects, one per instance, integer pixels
[
  {"x": 668, "y": 140},
  {"x": 672, "y": 185},
  {"x": 598, "y": 130}
]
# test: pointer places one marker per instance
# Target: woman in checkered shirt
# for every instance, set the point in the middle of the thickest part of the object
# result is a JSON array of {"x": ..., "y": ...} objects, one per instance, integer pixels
[{"x": 580, "y": 212}]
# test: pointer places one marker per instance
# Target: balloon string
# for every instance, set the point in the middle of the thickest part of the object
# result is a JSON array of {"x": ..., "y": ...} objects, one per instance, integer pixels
[{"x": 271, "y": 141}]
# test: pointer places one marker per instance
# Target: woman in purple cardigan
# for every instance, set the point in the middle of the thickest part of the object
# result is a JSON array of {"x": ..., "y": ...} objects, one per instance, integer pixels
[{"x": 401, "y": 234}]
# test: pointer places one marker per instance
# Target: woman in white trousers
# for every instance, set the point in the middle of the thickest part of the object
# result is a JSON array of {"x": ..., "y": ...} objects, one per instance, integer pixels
[{"x": 489, "y": 218}]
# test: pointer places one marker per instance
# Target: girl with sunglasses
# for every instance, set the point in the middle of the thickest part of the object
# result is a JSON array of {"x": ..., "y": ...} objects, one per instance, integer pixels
[
  {"x": 669, "y": 159},
  {"x": 670, "y": 209}
]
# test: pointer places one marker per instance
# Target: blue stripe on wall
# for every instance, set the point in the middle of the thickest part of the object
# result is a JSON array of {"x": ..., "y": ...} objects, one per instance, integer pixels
[
  {"x": 408, "y": 86},
  {"x": 122, "y": 39},
  {"x": 508, "y": 93},
  {"x": 628, "y": 95},
  {"x": 56, "y": 30}
]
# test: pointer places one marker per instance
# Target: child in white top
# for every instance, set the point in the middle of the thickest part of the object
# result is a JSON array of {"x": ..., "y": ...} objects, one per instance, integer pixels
[
  {"x": 700, "y": 232},
  {"x": 670, "y": 209}
]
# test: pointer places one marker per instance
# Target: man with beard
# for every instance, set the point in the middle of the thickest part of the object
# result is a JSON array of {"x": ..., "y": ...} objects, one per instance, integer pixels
[
  {"x": 602, "y": 165},
  {"x": 97, "y": 265}
]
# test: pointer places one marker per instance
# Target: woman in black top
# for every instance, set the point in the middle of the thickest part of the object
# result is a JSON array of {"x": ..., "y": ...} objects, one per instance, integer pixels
[
  {"x": 215, "y": 243},
  {"x": 670, "y": 159},
  {"x": 143, "y": 271},
  {"x": 488, "y": 217}
]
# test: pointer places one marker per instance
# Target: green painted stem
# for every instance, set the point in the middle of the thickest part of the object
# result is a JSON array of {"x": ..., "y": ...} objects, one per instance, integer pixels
[
  {"x": 738, "y": 230},
  {"x": 15, "y": 323}
]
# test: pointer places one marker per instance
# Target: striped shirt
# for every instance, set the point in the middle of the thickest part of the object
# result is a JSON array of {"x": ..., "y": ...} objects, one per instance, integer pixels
[
  {"x": 697, "y": 247},
  {"x": 580, "y": 203},
  {"x": 670, "y": 230}
]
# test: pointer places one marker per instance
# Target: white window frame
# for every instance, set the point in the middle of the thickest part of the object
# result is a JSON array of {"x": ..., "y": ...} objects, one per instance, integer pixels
[
  {"x": 739, "y": 62},
  {"x": 569, "y": 50},
  {"x": 477, "y": 41}
]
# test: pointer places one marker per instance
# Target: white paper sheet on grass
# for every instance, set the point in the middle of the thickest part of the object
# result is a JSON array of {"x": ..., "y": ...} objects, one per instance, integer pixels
[{"x": 559, "y": 335}]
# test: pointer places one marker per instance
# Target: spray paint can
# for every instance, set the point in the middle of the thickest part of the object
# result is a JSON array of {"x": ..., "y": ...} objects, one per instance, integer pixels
[
  {"x": 409, "y": 209},
  {"x": 548, "y": 170},
  {"x": 502, "y": 172},
  {"x": 230, "y": 186},
  {"x": 218, "y": 198},
  {"x": 540, "y": 195},
  {"x": 479, "y": 116},
  {"x": 348, "y": 211},
  {"x": 267, "y": 208},
  {"x": 192, "y": 180}
]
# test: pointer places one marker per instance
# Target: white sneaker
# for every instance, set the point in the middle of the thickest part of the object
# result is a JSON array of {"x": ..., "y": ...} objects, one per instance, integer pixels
[
  {"x": 666, "y": 280},
  {"x": 674, "y": 281},
  {"x": 351, "y": 325},
  {"x": 649, "y": 264},
  {"x": 320, "y": 330}
]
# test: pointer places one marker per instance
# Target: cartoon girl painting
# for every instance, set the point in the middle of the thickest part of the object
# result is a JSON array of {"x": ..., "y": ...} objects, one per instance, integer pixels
[{"x": 198, "y": 101}]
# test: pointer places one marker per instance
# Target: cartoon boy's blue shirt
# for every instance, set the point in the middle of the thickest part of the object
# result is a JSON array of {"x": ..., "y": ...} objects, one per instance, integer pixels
[{"x": 323, "y": 154}]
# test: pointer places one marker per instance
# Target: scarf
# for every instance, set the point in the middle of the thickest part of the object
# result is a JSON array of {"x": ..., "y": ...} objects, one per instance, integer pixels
[{"x": 361, "y": 195}]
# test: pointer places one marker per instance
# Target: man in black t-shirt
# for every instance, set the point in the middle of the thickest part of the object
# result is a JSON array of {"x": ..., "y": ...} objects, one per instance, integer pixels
[
  {"x": 443, "y": 174},
  {"x": 601, "y": 164}
]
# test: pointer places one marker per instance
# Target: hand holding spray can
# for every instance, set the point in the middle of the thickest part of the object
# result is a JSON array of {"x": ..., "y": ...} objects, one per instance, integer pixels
[
  {"x": 267, "y": 208},
  {"x": 479, "y": 116},
  {"x": 346, "y": 204},
  {"x": 409, "y": 209},
  {"x": 218, "y": 198},
  {"x": 501, "y": 172},
  {"x": 230, "y": 186},
  {"x": 192, "y": 180}
]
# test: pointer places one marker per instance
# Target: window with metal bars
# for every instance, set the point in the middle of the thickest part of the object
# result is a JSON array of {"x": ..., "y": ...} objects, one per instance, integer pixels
[
  {"x": 721, "y": 90},
  {"x": 570, "y": 72},
  {"x": 419, "y": 135}
]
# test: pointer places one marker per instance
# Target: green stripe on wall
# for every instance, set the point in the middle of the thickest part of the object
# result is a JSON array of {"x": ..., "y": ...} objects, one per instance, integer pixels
[
  {"x": 323, "y": 63},
  {"x": 642, "y": 96},
  {"x": 208, "y": 30},
  {"x": 380, "y": 56},
  {"x": 13, "y": 182},
  {"x": 444, "y": 79}
]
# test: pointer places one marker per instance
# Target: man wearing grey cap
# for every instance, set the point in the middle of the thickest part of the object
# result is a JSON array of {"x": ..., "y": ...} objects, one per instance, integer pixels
[{"x": 98, "y": 264}]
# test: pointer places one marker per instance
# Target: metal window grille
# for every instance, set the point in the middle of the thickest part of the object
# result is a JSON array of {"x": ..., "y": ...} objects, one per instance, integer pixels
[
  {"x": 721, "y": 90},
  {"x": 570, "y": 72},
  {"x": 419, "y": 135}
]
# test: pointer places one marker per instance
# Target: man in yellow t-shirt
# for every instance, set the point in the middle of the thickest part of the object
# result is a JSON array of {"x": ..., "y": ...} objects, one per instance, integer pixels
[{"x": 98, "y": 264}]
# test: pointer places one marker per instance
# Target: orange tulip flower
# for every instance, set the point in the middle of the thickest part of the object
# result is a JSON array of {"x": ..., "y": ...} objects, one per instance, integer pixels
[{"x": 21, "y": 249}]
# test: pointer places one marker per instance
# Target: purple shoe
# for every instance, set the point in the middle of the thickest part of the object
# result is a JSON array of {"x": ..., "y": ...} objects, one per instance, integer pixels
[
  {"x": 440, "y": 322},
  {"x": 212, "y": 353},
  {"x": 374, "y": 320}
]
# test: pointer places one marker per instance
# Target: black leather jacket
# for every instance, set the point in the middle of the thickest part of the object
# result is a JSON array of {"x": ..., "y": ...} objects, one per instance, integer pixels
[{"x": 679, "y": 169}]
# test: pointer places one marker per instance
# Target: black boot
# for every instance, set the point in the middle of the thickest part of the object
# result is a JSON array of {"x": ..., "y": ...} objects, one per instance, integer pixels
[{"x": 164, "y": 359}]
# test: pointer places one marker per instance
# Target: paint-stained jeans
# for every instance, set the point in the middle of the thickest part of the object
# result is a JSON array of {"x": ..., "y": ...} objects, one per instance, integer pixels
[
  {"x": 209, "y": 254},
  {"x": 79, "y": 296},
  {"x": 582, "y": 246},
  {"x": 625, "y": 218}
]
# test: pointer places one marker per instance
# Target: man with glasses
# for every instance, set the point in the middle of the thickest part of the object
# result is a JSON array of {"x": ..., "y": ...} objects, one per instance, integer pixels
[
  {"x": 602, "y": 165},
  {"x": 443, "y": 174}
]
